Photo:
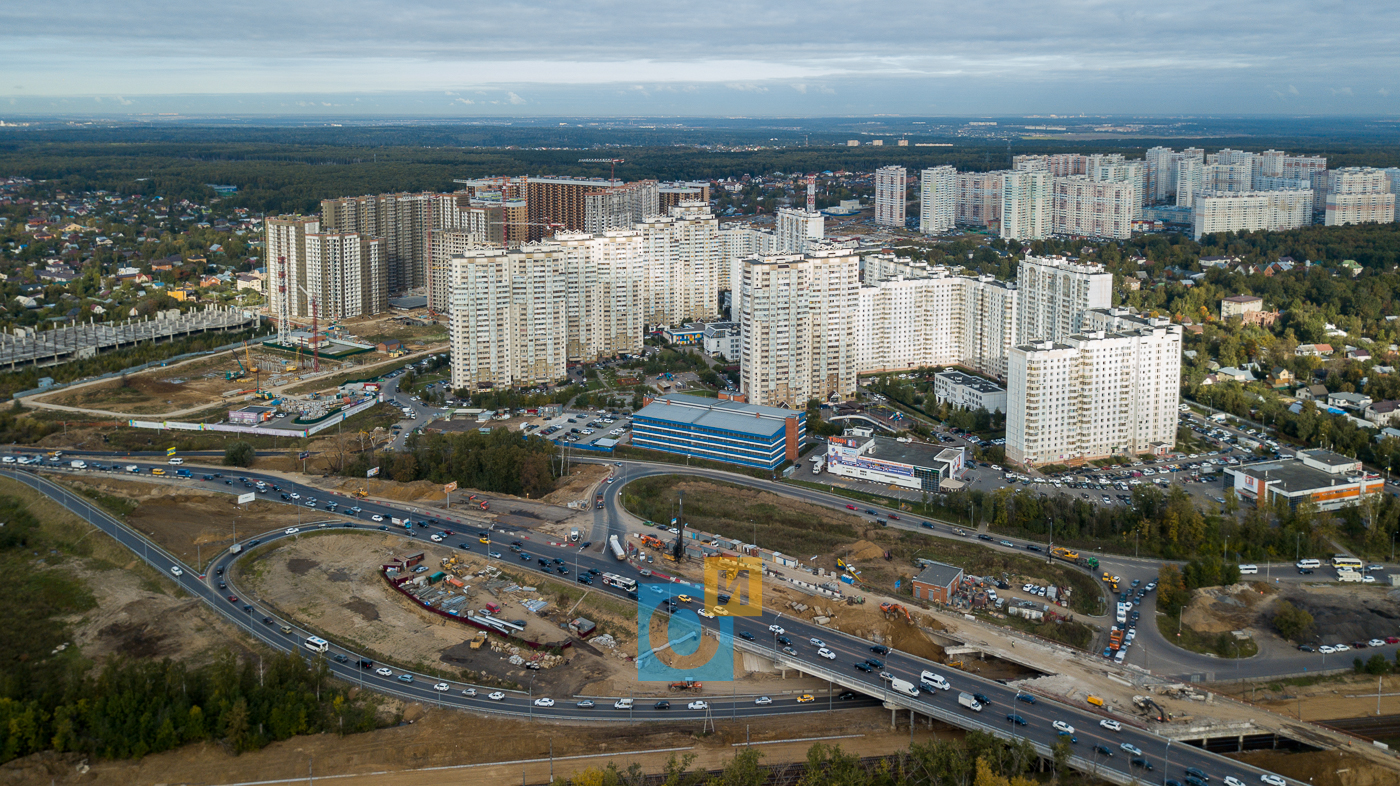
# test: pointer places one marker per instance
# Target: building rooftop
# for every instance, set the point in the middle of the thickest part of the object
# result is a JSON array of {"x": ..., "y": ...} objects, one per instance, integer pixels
[
  {"x": 916, "y": 453},
  {"x": 1292, "y": 477},
  {"x": 1327, "y": 457},
  {"x": 1243, "y": 299},
  {"x": 968, "y": 380},
  {"x": 939, "y": 574},
  {"x": 410, "y": 302},
  {"x": 716, "y": 414}
]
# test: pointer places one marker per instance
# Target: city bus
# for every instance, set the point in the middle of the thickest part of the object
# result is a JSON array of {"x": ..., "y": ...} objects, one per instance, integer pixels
[
  {"x": 1343, "y": 562},
  {"x": 621, "y": 582},
  {"x": 316, "y": 644}
]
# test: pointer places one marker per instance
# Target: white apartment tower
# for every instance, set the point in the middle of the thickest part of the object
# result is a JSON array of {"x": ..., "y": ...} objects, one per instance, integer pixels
[
  {"x": 684, "y": 258},
  {"x": 938, "y": 203},
  {"x": 345, "y": 275},
  {"x": 508, "y": 321},
  {"x": 909, "y": 323},
  {"x": 797, "y": 320},
  {"x": 1053, "y": 294},
  {"x": 1025, "y": 205},
  {"x": 287, "y": 284},
  {"x": 1093, "y": 208},
  {"x": 1359, "y": 195},
  {"x": 1096, "y": 394},
  {"x": 1249, "y": 211},
  {"x": 890, "y": 196},
  {"x": 798, "y": 228}
]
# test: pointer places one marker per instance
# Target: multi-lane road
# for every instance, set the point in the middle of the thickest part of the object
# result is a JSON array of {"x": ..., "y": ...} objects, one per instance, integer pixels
[{"x": 753, "y": 633}]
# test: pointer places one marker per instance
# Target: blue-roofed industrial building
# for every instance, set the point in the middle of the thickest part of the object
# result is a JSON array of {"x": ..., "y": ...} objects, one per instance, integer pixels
[{"x": 723, "y": 430}]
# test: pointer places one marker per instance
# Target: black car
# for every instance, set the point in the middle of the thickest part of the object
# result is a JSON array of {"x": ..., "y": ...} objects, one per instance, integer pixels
[
  {"x": 1032, "y": 547},
  {"x": 865, "y": 667},
  {"x": 267, "y": 620},
  {"x": 561, "y": 570},
  {"x": 984, "y": 536},
  {"x": 1138, "y": 761},
  {"x": 875, "y": 663},
  {"x": 1026, "y": 697},
  {"x": 558, "y": 561},
  {"x": 1305, "y": 571},
  {"x": 584, "y": 578},
  {"x": 1104, "y": 750},
  {"x": 880, "y": 649},
  {"x": 846, "y": 695},
  {"x": 222, "y": 585},
  {"x": 465, "y": 546},
  {"x": 1192, "y": 772},
  {"x": 982, "y": 698},
  {"x": 544, "y": 563},
  {"x": 1301, "y": 647},
  {"x": 633, "y": 595},
  {"x": 593, "y": 571},
  {"x": 364, "y": 663},
  {"x": 586, "y": 544},
  {"x": 524, "y": 556},
  {"x": 745, "y": 635},
  {"x": 785, "y": 641},
  {"x": 1016, "y": 719},
  {"x": 253, "y": 542},
  {"x": 662, "y": 705},
  {"x": 341, "y": 657}
]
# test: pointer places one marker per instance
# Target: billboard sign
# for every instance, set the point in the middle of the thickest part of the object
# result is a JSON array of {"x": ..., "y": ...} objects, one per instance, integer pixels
[
  {"x": 244, "y": 499},
  {"x": 450, "y": 487},
  {"x": 372, "y": 472}
]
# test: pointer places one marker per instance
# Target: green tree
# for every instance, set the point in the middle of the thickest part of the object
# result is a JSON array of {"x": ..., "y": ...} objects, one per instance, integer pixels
[
  {"x": 1291, "y": 622},
  {"x": 239, "y": 454}
]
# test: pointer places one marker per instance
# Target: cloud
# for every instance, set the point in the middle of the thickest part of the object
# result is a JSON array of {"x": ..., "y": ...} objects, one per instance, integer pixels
[
  {"x": 1293, "y": 90},
  {"x": 466, "y": 101},
  {"x": 801, "y": 88},
  {"x": 515, "y": 99},
  {"x": 1340, "y": 91},
  {"x": 746, "y": 87},
  {"x": 1383, "y": 91}
]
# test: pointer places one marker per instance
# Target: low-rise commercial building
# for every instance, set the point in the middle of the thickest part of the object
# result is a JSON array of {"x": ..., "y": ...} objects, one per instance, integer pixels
[
  {"x": 250, "y": 416},
  {"x": 720, "y": 430},
  {"x": 937, "y": 581},
  {"x": 965, "y": 391},
  {"x": 1326, "y": 479},
  {"x": 911, "y": 465},
  {"x": 724, "y": 338}
]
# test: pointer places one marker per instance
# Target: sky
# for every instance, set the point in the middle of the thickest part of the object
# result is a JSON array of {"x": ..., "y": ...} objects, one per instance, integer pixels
[{"x": 630, "y": 57}]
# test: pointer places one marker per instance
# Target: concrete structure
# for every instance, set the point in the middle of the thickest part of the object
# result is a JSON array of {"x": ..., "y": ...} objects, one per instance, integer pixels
[
  {"x": 889, "y": 462},
  {"x": 965, "y": 391},
  {"x": 891, "y": 194},
  {"x": 26, "y": 347},
  {"x": 724, "y": 339},
  {"x": 1359, "y": 195},
  {"x": 1025, "y": 205},
  {"x": 1054, "y": 293},
  {"x": 672, "y": 194},
  {"x": 1110, "y": 391},
  {"x": 1239, "y": 305},
  {"x": 978, "y": 199},
  {"x": 720, "y": 430},
  {"x": 1092, "y": 208},
  {"x": 938, "y": 203},
  {"x": 1326, "y": 479},
  {"x": 797, "y": 314},
  {"x": 797, "y": 229},
  {"x": 937, "y": 581},
  {"x": 1249, "y": 211}
]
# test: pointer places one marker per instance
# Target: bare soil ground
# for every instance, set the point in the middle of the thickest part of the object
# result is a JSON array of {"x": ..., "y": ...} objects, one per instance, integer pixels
[
  {"x": 1322, "y": 768},
  {"x": 449, "y": 739},
  {"x": 193, "y": 524},
  {"x": 163, "y": 389},
  {"x": 1341, "y": 613},
  {"x": 1345, "y": 696}
]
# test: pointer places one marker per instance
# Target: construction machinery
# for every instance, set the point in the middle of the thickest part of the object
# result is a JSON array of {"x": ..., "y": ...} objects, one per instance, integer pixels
[
  {"x": 653, "y": 542},
  {"x": 1071, "y": 556},
  {"x": 895, "y": 608},
  {"x": 686, "y": 684},
  {"x": 360, "y": 493},
  {"x": 612, "y": 173},
  {"x": 478, "y": 640},
  {"x": 240, "y": 373},
  {"x": 1151, "y": 708}
]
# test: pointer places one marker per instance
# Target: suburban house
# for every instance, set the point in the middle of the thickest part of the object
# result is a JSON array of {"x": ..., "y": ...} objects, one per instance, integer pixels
[
  {"x": 1313, "y": 350},
  {"x": 1348, "y": 400},
  {"x": 1383, "y": 413},
  {"x": 1281, "y": 377},
  {"x": 1312, "y": 393}
]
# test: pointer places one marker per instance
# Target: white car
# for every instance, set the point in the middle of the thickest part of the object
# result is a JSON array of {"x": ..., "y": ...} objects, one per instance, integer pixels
[
  {"x": 1131, "y": 748},
  {"x": 384, "y": 671},
  {"x": 815, "y": 642},
  {"x": 442, "y": 687},
  {"x": 175, "y": 570},
  {"x": 543, "y": 702},
  {"x": 697, "y": 705},
  {"x": 1327, "y": 649},
  {"x": 1368, "y": 579},
  {"x": 294, "y": 495},
  {"x": 469, "y": 691},
  {"x": 776, "y": 630},
  {"x": 706, "y": 614},
  {"x": 1273, "y": 780},
  {"x": 826, "y": 653},
  {"x": 1062, "y": 727},
  {"x": 763, "y": 701},
  {"x": 1111, "y": 725},
  {"x": 497, "y": 696},
  {"x": 1231, "y": 780},
  {"x": 292, "y": 530},
  {"x": 436, "y": 538},
  {"x": 1376, "y": 642},
  {"x": 1341, "y": 647},
  {"x": 376, "y": 517}
]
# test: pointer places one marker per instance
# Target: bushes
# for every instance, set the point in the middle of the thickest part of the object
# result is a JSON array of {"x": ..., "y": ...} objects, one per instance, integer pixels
[
  {"x": 239, "y": 454},
  {"x": 1291, "y": 622}
]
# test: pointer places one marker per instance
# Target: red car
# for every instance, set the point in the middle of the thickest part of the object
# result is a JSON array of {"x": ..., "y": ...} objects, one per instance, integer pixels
[
  {"x": 233, "y": 599},
  {"x": 850, "y": 507},
  {"x": 1392, "y": 639},
  {"x": 892, "y": 516}
]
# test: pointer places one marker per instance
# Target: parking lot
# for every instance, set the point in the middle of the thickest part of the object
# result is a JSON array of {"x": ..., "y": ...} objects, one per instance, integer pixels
[{"x": 586, "y": 428}]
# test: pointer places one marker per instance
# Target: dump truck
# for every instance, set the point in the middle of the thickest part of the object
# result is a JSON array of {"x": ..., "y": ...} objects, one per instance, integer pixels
[
  {"x": 1115, "y": 639},
  {"x": 598, "y": 501},
  {"x": 686, "y": 684},
  {"x": 478, "y": 640}
]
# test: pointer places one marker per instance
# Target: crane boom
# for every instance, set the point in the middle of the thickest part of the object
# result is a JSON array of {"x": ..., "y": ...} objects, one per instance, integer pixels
[{"x": 612, "y": 175}]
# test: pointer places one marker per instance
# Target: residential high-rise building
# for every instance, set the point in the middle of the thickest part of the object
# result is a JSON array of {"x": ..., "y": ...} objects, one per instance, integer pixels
[
  {"x": 988, "y": 324},
  {"x": 604, "y": 293},
  {"x": 938, "y": 199},
  {"x": 1233, "y": 178},
  {"x": 403, "y": 221},
  {"x": 345, "y": 276},
  {"x": 797, "y": 228},
  {"x": 740, "y": 242},
  {"x": 1093, "y": 208},
  {"x": 1134, "y": 173},
  {"x": 978, "y": 199},
  {"x": 891, "y": 194},
  {"x": 1250, "y": 210},
  {"x": 684, "y": 260},
  {"x": 1025, "y": 205},
  {"x": 1190, "y": 177},
  {"x": 1359, "y": 195},
  {"x": 797, "y": 319},
  {"x": 1161, "y": 173},
  {"x": 508, "y": 321},
  {"x": 1105, "y": 392},
  {"x": 287, "y": 282},
  {"x": 588, "y": 205},
  {"x": 671, "y": 194},
  {"x": 1052, "y": 295},
  {"x": 909, "y": 323}
]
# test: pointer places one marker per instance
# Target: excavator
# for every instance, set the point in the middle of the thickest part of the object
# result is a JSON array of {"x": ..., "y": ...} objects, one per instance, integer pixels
[
  {"x": 240, "y": 373},
  {"x": 895, "y": 608}
]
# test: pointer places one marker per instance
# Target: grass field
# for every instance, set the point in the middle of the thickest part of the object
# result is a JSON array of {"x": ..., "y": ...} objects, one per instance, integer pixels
[{"x": 1221, "y": 645}]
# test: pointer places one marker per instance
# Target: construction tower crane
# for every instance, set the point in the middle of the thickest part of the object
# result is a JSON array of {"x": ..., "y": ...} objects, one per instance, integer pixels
[{"x": 612, "y": 175}]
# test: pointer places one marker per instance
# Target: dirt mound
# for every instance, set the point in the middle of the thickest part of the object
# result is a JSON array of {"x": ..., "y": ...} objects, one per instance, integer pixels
[
  {"x": 1346, "y": 614},
  {"x": 575, "y": 487},
  {"x": 389, "y": 489},
  {"x": 1322, "y": 768},
  {"x": 1223, "y": 609},
  {"x": 865, "y": 551}
]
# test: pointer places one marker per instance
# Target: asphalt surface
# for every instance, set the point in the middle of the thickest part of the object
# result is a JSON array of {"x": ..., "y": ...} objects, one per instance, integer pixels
[{"x": 841, "y": 670}]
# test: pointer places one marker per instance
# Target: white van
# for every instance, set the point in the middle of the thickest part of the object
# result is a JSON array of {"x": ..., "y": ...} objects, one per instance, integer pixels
[
  {"x": 1308, "y": 563},
  {"x": 1249, "y": 570},
  {"x": 936, "y": 680},
  {"x": 177, "y": 461},
  {"x": 622, "y": 704}
]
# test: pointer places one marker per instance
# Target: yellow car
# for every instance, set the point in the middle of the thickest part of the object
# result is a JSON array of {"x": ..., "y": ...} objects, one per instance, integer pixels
[
  {"x": 721, "y": 611},
  {"x": 806, "y": 697},
  {"x": 483, "y": 540},
  {"x": 157, "y": 471},
  {"x": 683, "y": 598},
  {"x": 1108, "y": 577}
]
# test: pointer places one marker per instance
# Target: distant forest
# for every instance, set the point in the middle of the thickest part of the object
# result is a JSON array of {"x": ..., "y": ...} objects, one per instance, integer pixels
[{"x": 292, "y": 168}]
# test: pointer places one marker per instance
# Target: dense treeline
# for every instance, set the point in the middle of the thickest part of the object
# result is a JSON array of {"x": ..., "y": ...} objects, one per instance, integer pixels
[
  {"x": 502, "y": 461},
  {"x": 978, "y": 759},
  {"x": 51, "y": 698}
]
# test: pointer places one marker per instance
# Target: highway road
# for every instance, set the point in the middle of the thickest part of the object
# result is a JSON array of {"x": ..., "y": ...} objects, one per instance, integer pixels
[{"x": 754, "y": 633}]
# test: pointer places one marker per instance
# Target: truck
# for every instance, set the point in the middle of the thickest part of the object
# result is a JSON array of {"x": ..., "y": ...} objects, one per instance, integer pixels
[
  {"x": 1092, "y": 563},
  {"x": 79, "y": 464},
  {"x": 966, "y": 700},
  {"x": 1115, "y": 639},
  {"x": 235, "y": 548},
  {"x": 616, "y": 548},
  {"x": 652, "y": 541},
  {"x": 817, "y": 466},
  {"x": 904, "y": 686},
  {"x": 598, "y": 501}
]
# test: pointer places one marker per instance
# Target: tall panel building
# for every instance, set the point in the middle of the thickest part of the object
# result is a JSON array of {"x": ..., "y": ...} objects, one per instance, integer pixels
[
  {"x": 909, "y": 323},
  {"x": 345, "y": 275},
  {"x": 978, "y": 200},
  {"x": 287, "y": 283},
  {"x": 1250, "y": 211},
  {"x": 685, "y": 260},
  {"x": 1025, "y": 205},
  {"x": 890, "y": 196},
  {"x": 403, "y": 221},
  {"x": 798, "y": 228},
  {"x": 1359, "y": 195},
  {"x": 1096, "y": 394},
  {"x": 797, "y": 319},
  {"x": 1092, "y": 208},
  {"x": 508, "y": 318},
  {"x": 988, "y": 324},
  {"x": 1053, "y": 294},
  {"x": 938, "y": 199}
]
